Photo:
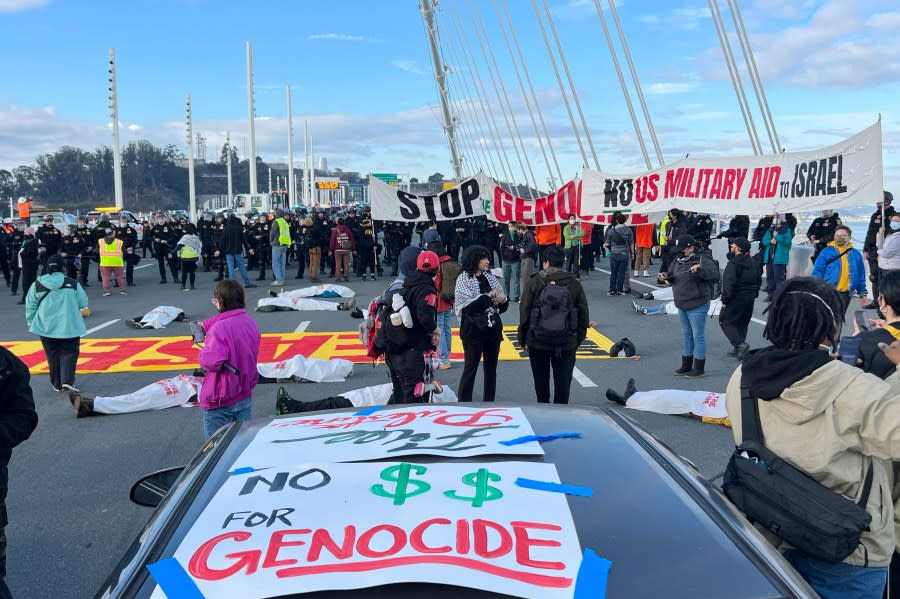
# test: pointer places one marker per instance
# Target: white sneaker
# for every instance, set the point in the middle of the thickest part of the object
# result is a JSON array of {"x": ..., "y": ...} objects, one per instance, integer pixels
[
  {"x": 635, "y": 274},
  {"x": 646, "y": 274},
  {"x": 68, "y": 387}
]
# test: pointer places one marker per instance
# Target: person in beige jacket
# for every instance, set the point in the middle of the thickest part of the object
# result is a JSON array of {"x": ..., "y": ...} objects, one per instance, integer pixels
[{"x": 830, "y": 419}]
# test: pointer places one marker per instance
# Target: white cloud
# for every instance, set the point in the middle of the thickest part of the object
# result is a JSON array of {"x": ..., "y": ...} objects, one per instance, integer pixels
[
  {"x": 689, "y": 18},
  {"x": 410, "y": 66},
  {"x": 342, "y": 37},
  {"x": 889, "y": 21},
  {"x": 670, "y": 87},
  {"x": 19, "y": 5},
  {"x": 134, "y": 127}
]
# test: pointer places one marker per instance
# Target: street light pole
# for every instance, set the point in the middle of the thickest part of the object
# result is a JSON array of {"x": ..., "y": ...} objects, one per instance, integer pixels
[
  {"x": 228, "y": 163},
  {"x": 251, "y": 116},
  {"x": 192, "y": 196},
  {"x": 114, "y": 113},
  {"x": 292, "y": 187}
]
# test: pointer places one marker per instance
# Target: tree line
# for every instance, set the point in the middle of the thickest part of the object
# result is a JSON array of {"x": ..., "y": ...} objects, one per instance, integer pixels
[{"x": 152, "y": 178}]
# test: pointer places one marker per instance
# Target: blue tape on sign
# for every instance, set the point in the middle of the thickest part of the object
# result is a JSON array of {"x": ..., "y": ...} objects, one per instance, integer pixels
[
  {"x": 539, "y": 438},
  {"x": 541, "y": 485},
  {"x": 174, "y": 580},
  {"x": 592, "y": 576},
  {"x": 243, "y": 470},
  {"x": 369, "y": 410}
]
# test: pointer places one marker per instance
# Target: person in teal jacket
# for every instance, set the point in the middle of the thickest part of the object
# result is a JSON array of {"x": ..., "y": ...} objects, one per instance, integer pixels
[
  {"x": 776, "y": 244},
  {"x": 53, "y": 312}
]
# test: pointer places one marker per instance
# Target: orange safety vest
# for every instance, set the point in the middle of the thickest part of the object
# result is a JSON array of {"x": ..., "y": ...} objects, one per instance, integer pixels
[
  {"x": 24, "y": 209},
  {"x": 548, "y": 234},
  {"x": 111, "y": 253}
]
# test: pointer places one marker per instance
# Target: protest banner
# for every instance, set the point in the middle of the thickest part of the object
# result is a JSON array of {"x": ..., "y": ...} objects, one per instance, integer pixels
[
  {"x": 412, "y": 430},
  {"x": 848, "y": 173},
  {"x": 318, "y": 526},
  {"x": 482, "y": 196}
]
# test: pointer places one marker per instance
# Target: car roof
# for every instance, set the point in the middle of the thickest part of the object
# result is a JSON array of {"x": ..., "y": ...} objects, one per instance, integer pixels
[{"x": 667, "y": 532}]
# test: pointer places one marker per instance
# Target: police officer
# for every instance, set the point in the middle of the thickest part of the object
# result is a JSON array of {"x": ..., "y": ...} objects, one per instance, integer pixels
[
  {"x": 702, "y": 227},
  {"x": 72, "y": 247},
  {"x": 821, "y": 231},
  {"x": 870, "y": 249},
  {"x": 87, "y": 250},
  {"x": 260, "y": 232},
  {"x": 14, "y": 245},
  {"x": 4, "y": 251},
  {"x": 163, "y": 245},
  {"x": 49, "y": 240},
  {"x": 302, "y": 240},
  {"x": 129, "y": 237},
  {"x": 217, "y": 239},
  {"x": 205, "y": 233}
]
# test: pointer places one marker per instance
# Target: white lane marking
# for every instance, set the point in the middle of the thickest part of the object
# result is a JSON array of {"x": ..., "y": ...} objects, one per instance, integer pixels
[
  {"x": 142, "y": 266},
  {"x": 302, "y": 326},
  {"x": 582, "y": 378},
  {"x": 754, "y": 319},
  {"x": 101, "y": 326}
]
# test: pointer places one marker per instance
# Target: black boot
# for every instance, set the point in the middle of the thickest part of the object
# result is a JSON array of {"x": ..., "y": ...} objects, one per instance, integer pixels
[
  {"x": 742, "y": 349},
  {"x": 611, "y": 395},
  {"x": 698, "y": 371},
  {"x": 686, "y": 365},
  {"x": 285, "y": 404},
  {"x": 630, "y": 389}
]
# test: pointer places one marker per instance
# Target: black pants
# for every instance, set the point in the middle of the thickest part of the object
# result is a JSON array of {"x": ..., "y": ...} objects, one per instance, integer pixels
[
  {"x": 29, "y": 275},
  {"x": 62, "y": 355},
  {"x": 407, "y": 368},
  {"x": 263, "y": 258},
  {"x": 14, "y": 283},
  {"x": 84, "y": 268},
  {"x": 473, "y": 352},
  {"x": 161, "y": 253},
  {"x": 188, "y": 268},
  {"x": 735, "y": 318},
  {"x": 130, "y": 261},
  {"x": 71, "y": 270},
  {"x": 4, "y": 265},
  {"x": 562, "y": 362},
  {"x": 365, "y": 260},
  {"x": 875, "y": 275},
  {"x": 302, "y": 260}
]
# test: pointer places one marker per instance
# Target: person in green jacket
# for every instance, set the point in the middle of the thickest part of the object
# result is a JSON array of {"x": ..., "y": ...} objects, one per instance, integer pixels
[
  {"x": 776, "y": 250},
  {"x": 53, "y": 311},
  {"x": 573, "y": 233}
]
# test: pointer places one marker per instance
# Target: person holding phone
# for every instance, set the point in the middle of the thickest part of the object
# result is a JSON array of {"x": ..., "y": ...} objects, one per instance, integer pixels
[{"x": 229, "y": 359}]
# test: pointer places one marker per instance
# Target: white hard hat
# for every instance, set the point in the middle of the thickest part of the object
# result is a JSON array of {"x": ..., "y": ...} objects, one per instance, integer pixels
[{"x": 22, "y": 199}]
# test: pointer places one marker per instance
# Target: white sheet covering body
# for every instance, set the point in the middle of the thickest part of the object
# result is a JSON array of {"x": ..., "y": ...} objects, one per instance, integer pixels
[
  {"x": 705, "y": 404},
  {"x": 167, "y": 393}
]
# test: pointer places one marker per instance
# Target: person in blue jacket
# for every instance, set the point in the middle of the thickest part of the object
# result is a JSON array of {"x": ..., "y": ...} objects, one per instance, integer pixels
[
  {"x": 841, "y": 265},
  {"x": 776, "y": 251},
  {"x": 53, "y": 311}
]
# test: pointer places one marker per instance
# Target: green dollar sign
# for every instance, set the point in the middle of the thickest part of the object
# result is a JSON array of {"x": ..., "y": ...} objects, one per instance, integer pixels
[
  {"x": 484, "y": 491},
  {"x": 400, "y": 474}
]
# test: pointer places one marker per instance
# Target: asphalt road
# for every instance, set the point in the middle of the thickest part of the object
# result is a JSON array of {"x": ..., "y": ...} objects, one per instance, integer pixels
[{"x": 70, "y": 517}]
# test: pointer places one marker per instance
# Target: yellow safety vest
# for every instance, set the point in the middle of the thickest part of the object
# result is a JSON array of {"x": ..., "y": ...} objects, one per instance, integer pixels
[
  {"x": 284, "y": 232},
  {"x": 663, "y": 229},
  {"x": 187, "y": 253},
  {"x": 111, "y": 253}
]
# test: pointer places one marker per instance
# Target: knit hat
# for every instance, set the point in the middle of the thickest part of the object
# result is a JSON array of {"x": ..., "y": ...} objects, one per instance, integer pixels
[
  {"x": 406, "y": 261},
  {"x": 427, "y": 261},
  {"x": 742, "y": 244}
]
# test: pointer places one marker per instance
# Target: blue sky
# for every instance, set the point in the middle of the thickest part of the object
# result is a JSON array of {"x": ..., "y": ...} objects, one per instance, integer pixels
[{"x": 361, "y": 74}]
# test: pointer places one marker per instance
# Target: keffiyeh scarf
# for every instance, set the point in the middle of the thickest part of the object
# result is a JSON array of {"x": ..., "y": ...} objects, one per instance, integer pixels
[{"x": 468, "y": 290}]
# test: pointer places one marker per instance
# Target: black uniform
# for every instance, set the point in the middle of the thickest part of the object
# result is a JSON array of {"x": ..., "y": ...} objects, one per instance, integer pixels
[
  {"x": 740, "y": 287},
  {"x": 702, "y": 226},
  {"x": 87, "y": 253},
  {"x": 164, "y": 241},
  {"x": 72, "y": 248},
  {"x": 29, "y": 264},
  {"x": 739, "y": 226},
  {"x": 4, "y": 254},
  {"x": 260, "y": 233},
  {"x": 49, "y": 239},
  {"x": 128, "y": 235},
  {"x": 821, "y": 232},
  {"x": 205, "y": 233},
  {"x": 218, "y": 239},
  {"x": 302, "y": 241},
  {"x": 365, "y": 246},
  {"x": 14, "y": 244}
]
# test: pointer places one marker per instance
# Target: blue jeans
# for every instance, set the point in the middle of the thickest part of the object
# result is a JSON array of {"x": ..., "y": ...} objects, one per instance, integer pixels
[
  {"x": 618, "y": 264},
  {"x": 657, "y": 309},
  {"x": 838, "y": 581},
  {"x": 443, "y": 323},
  {"x": 233, "y": 260},
  {"x": 279, "y": 259},
  {"x": 511, "y": 282},
  {"x": 693, "y": 327},
  {"x": 213, "y": 420}
]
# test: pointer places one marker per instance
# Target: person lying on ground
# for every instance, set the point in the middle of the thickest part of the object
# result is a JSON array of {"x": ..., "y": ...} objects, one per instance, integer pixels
[
  {"x": 287, "y": 303},
  {"x": 708, "y": 406},
  {"x": 715, "y": 306},
  {"x": 377, "y": 395},
  {"x": 157, "y": 318}
]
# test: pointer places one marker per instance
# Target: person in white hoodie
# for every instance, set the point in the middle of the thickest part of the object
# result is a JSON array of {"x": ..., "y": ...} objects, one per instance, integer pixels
[{"x": 888, "y": 242}]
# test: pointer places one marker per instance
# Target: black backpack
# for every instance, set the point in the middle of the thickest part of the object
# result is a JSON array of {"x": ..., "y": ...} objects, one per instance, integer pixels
[
  {"x": 554, "y": 317},
  {"x": 787, "y": 501},
  {"x": 388, "y": 337}
]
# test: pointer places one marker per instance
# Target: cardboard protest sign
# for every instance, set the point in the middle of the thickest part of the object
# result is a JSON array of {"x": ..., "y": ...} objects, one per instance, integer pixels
[
  {"x": 848, "y": 173},
  {"x": 321, "y": 526},
  {"x": 451, "y": 431}
]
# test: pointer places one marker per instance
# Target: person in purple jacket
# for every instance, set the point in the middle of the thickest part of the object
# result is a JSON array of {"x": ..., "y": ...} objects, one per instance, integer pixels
[{"x": 229, "y": 359}]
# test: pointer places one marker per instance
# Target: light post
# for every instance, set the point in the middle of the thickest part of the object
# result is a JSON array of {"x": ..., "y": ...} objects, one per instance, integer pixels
[
  {"x": 114, "y": 113},
  {"x": 251, "y": 116},
  {"x": 192, "y": 197},
  {"x": 228, "y": 163}
]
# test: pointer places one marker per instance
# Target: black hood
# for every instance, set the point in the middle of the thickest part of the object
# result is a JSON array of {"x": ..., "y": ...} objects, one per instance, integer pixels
[
  {"x": 769, "y": 371},
  {"x": 418, "y": 278}
]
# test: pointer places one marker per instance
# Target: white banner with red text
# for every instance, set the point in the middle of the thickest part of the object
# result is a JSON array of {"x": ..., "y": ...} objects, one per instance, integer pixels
[{"x": 848, "y": 173}]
